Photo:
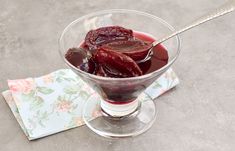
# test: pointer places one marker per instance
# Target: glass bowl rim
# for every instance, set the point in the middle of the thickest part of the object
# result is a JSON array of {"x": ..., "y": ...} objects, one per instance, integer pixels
[{"x": 120, "y": 11}]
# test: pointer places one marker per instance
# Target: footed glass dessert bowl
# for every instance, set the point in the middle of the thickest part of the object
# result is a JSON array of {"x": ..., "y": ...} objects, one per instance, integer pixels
[{"x": 106, "y": 50}]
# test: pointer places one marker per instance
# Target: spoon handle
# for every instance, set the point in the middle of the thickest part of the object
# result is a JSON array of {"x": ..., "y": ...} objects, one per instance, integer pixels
[{"x": 227, "y": 8}]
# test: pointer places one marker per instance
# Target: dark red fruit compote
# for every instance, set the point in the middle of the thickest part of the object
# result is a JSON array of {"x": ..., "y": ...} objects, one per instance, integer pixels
[{"x": 115, "y": 52}]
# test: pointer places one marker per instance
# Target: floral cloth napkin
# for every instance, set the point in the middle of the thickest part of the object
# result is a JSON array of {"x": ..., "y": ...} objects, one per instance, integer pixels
[{"x": 53, "y": 103}]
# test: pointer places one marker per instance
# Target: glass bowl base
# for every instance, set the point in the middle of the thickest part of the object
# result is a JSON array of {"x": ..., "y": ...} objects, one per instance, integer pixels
[{"x": 117, "y": 127}]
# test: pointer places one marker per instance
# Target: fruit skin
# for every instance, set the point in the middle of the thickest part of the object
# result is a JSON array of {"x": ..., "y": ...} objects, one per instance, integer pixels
[
  {"x": 125, "y": 65},
  {"x": 135, "y": 48},
  {"x": 95, "y": 38}
]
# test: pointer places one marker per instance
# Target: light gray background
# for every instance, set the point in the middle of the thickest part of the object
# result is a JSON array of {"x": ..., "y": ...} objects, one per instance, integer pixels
[{"x": 198, "y": 115}]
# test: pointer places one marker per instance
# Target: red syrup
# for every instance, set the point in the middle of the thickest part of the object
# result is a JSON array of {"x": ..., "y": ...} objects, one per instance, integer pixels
[
  {"x": 112, "y": 66},
  {"x": 159, "y": 57}
]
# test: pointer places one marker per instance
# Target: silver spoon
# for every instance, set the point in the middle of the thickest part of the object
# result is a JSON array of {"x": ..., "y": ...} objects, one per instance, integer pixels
[{"x": 226, "y": 8}]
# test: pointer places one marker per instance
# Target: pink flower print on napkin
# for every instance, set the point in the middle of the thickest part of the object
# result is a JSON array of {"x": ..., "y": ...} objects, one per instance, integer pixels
[
  {"x": 64, "y": 106},
  {"x": 75, "y": 121},
  {"x": 78, "y": 121},
  {"x": 24, "y": 86},
  {"x": 47, "y": 79}
]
